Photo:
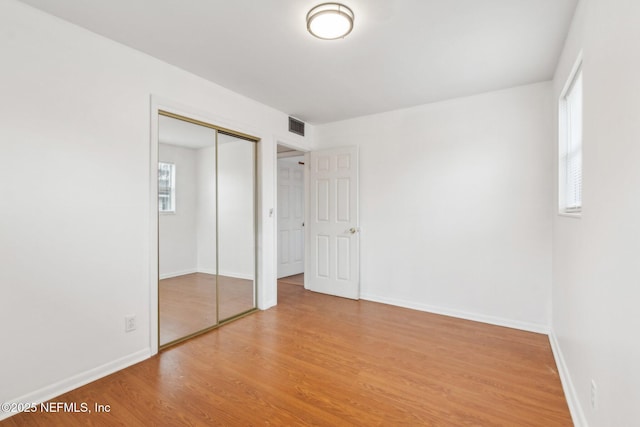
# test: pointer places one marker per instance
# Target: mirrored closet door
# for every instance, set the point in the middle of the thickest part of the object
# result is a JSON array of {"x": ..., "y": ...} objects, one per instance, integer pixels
[{"x": 206, "y": 226}]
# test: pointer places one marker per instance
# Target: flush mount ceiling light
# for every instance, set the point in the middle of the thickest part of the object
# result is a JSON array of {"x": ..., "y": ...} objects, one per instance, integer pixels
[{"x": 330, "y": 21}]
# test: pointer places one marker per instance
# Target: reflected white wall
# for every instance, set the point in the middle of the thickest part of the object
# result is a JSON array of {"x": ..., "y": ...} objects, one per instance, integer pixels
[
  {"x": 236, "y": 210},
  {"x": 178, "y": 251},
  {"x": 206, "y": 209}
]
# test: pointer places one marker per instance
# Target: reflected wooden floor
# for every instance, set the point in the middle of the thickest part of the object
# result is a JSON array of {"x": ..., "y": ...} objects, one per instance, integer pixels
[
  {"x": 188, "y": 302},
  {"x": 236, "y": 296},
  {"x": 325, "y": 361}
]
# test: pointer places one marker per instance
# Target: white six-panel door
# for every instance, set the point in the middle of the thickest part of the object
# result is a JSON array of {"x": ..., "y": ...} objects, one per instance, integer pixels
[
  {"x": 333, "y": 234},
  {"x": 290, "y": 217}
]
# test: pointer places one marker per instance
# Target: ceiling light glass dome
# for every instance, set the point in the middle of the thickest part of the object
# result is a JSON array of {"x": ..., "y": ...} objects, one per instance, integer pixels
[{"x": 330, "y": 21}]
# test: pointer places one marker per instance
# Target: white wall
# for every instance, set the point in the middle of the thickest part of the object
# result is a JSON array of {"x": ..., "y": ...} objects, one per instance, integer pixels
[
  {"x": 454, "y": 205},
  {"x": 178, "y": 231},
  {"x": 187, "y": 239},
  {"x": 75, "y": 223},
  {"x": 596, "y": 320}
]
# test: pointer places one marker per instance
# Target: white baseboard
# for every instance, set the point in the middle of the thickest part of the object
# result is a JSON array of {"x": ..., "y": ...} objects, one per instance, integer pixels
[
  {"x": 575, "y": 408},
  {"x": 178, "y": 273},
  {"x": 268, "y": 305},
  {"x": 509, "y": 323},
  {"x": 288, "y": 273},
  {"x": 78, "y": 380}
]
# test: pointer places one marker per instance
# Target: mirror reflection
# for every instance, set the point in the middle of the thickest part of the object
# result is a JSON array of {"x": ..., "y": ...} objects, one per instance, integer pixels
[
  {"x": 206, "y": 227},
  {"x": 236, "y": 225}
]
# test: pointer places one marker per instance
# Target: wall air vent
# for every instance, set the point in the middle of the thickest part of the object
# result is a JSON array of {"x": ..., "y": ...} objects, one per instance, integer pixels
[{"x": 296, "y": 126}]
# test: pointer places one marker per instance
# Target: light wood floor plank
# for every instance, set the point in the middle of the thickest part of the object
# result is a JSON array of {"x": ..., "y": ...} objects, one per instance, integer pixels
[{"x": 326, "y": 361}]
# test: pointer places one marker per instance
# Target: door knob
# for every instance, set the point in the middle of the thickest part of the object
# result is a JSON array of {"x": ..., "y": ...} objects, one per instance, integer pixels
[{"x": 353, "y": 230}]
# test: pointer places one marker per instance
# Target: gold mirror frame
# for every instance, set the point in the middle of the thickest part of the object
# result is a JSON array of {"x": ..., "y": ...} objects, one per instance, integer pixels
[{"x": 219, "y": 322}]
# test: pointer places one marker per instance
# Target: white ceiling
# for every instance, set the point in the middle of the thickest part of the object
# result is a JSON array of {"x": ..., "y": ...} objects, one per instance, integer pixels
[{"x": 401, "y": 53}]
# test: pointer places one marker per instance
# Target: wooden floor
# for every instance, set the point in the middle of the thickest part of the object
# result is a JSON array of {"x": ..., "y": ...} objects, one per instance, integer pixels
[
  {"x": 188, "y": 303},
  {"x": 327, "y": 361},
  {"x": 297, "y": 279}
]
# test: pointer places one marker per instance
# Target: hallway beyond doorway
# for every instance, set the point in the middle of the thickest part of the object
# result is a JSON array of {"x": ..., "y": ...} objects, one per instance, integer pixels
[{"x": 296, "y": 279}]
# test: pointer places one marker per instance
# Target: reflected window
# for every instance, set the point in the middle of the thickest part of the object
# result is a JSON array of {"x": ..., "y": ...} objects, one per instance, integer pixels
[{"x": 166, "y": 187}]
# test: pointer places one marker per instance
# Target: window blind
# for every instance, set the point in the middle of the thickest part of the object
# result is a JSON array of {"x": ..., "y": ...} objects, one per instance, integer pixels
[{"x": 573, "y": 145}]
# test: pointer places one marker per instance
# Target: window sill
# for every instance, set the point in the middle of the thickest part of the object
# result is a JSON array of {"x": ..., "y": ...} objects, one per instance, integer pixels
[{"x": 576, "y": 215}]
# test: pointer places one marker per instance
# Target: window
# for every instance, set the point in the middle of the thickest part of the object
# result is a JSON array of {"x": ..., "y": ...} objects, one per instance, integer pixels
[
  {"x": 166, "y": 187},
  {"x": 570, "y": 140}
]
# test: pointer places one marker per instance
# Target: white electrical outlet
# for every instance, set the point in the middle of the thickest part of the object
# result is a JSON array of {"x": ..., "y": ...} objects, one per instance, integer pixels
[
  {"x": 129, "y": 323},
  {"x": 594, "y": 395}
]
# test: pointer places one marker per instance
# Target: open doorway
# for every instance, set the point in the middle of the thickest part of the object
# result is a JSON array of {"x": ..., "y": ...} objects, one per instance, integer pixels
[
  {"x": 291, "y": 204},
  {"x": 318, "y": 230}
]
